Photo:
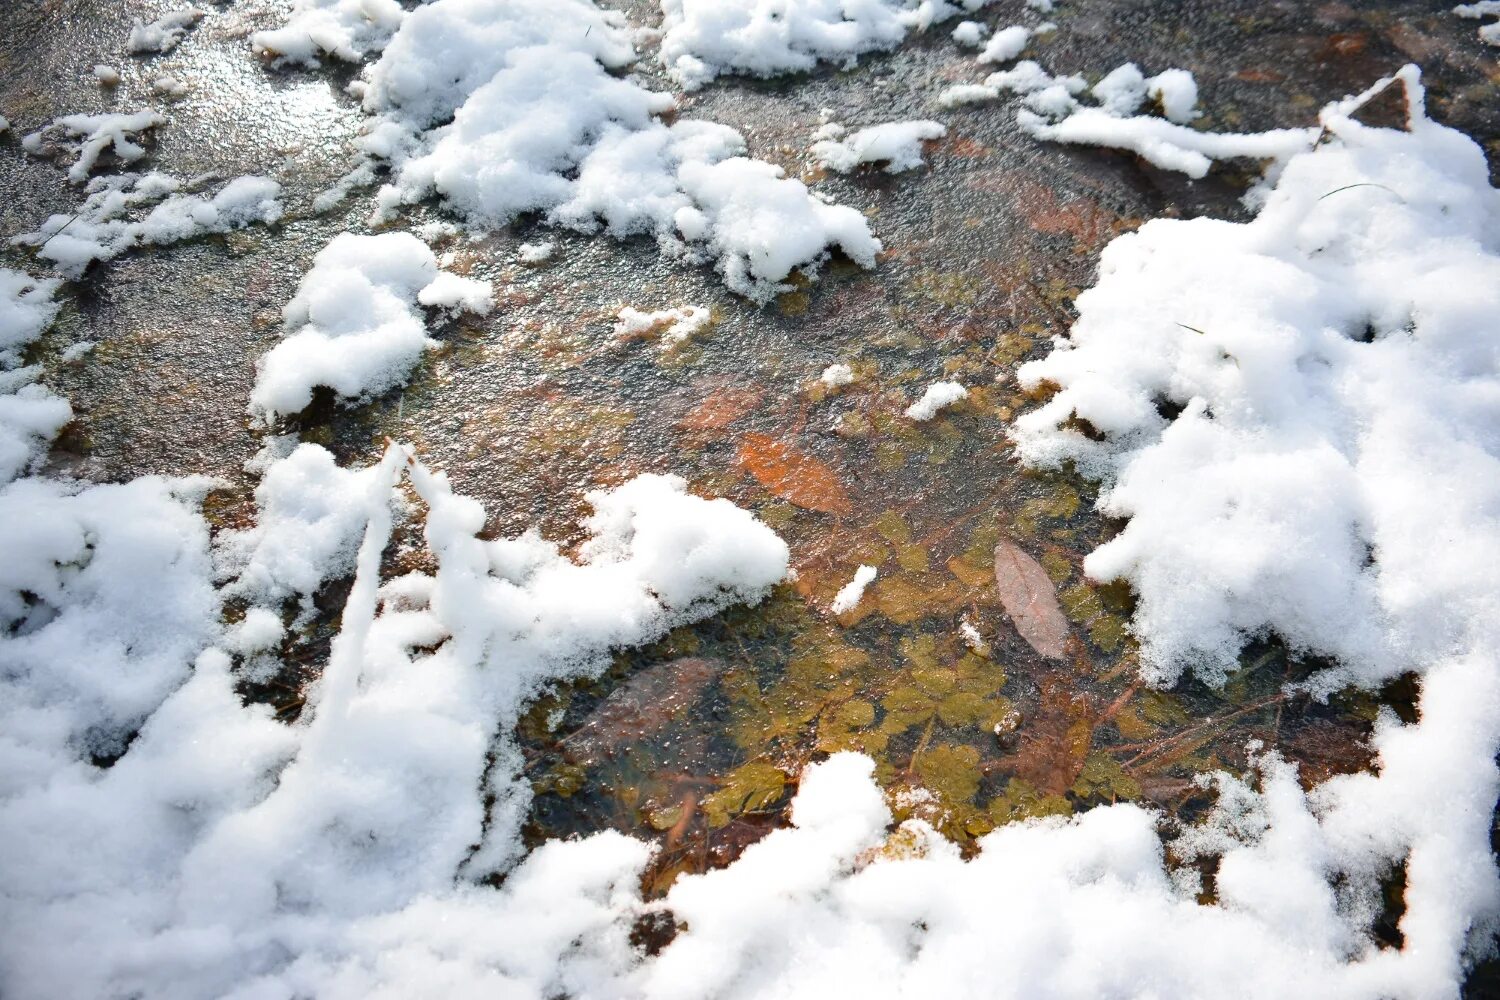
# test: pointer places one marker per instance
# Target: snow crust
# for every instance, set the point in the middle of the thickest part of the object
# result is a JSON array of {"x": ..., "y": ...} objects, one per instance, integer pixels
[
  {"x": 354, "y": 325},
  {"x": 896, "y": 144},
  {"x": 113, "y": 219}
]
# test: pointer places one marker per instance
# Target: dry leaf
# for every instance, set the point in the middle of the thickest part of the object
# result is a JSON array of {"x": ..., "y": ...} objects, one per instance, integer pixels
[
  {"x": 791, "y": 475},
  {"x": 1026, "y": 592}
]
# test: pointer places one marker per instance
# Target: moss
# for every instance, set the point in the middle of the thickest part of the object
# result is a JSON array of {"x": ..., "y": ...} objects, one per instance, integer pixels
[{"x": 751, "y": 787}]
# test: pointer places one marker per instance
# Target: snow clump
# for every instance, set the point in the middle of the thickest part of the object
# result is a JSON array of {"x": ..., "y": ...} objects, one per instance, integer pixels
[
  {"x": 354, "y": 326},
  {"x": 896, "y": 144}
]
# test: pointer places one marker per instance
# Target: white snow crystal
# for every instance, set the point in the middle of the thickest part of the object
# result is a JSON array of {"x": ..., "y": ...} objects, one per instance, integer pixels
[
  {"x": 848, "y": 597},
  {"x": 896, "y": 144},
  {"x": 1177, "y": 92},
  {"x": 970, "y": 33},
  {"x": 837, "y": 374},
  {"x": 344, "y": 29},
  {"x": 1122, "y": 90},
  {"x": 505, "y": 108},
  {"x": 1488, "y": 33},
  {"x": 163, "y": 34},
  {"x": 937, "y": 396},
  {"x": 1006, "y": 44}
]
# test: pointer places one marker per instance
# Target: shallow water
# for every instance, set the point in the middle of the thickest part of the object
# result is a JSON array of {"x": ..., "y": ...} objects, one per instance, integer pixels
[{"x": 535, "y": 405}]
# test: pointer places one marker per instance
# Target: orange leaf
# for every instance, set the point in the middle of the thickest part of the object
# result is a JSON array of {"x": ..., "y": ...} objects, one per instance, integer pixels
[
  {"x": 1030, "y": 599},
  {"x": 791, "y": 475},
  {"x": 721, "y": 409}
]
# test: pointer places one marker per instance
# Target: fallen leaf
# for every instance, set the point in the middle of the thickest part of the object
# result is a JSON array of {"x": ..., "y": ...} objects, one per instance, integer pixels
[
  {"x": 1027, "y": 594},
  {"x": 643, "y": 705},
  {"x": 721, "y": 409},
  {"x": 1054, "y": 742},
  {"x": 791, "y": 475}
]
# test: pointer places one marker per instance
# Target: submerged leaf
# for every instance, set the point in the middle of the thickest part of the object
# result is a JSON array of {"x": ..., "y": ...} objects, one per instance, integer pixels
[
  {"x": 643, "y": 705},
  {"x": 1027, "y": 594},
  {"x": 792, "y": 475}
]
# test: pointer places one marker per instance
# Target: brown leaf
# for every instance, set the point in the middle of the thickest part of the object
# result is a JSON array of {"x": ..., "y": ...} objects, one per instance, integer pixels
[
  {"x": 1055, "y": 741},
  {"x": 1029, "y": 598},
  {"x": 791, "y": 475},
  {"x": 721, "y": 409},
  {"x": 643, "y": 705}
]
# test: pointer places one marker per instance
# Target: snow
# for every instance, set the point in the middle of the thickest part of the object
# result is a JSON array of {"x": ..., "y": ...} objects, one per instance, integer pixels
[
  {"x": 673, "y": 326},
  {"x": 1124, "y": 89},
  {"x": 312, "y": 515},
  {"x": 705, "y": 38},
  {"x": 937, "y": 396},
  {"x": 107, "y": 76},
  {"x": 836, "y": 375},
  {"x": 1165, "y": 144},
  {"x": 1489, "y": 33},
  {"x": 896, "y": 144},
  {"x": 30, "y": 415},
  {"x": 90, "y": 135},
  {"x": 1121, "y": 91},
  {"x": 101, "y": 228},
  {"x": 1177, "y": 93},
  {"x": 1327, "y": 470},
  {"x": 354, "y": 324},
  {"x": 1026, "y": 77},
  {"x": 509, "y": 108},
  {"x": 535, "y": 253},
  {"x": 169, "y": 87},
  {"x": 1006, "y": 44},
  {"x": 970, "y": 33},
  {"x": 848, "y": 597},
  {"x": 344, "y": 29},
  {"x": 163, "y": 34}
]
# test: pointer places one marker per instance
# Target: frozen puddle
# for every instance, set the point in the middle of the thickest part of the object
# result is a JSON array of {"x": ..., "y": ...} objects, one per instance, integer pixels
[{"x": 1270, "y": 406}]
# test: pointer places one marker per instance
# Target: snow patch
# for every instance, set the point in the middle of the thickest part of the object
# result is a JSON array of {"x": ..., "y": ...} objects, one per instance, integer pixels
[
  {"x": 896, "y": 144},
  {"x": 353, "y": 325},
  {"x": 937, "y": 396}
]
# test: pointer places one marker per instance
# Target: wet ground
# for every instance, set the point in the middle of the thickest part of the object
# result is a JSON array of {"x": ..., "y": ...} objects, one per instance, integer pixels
[{"x": 695, "y": 740}]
